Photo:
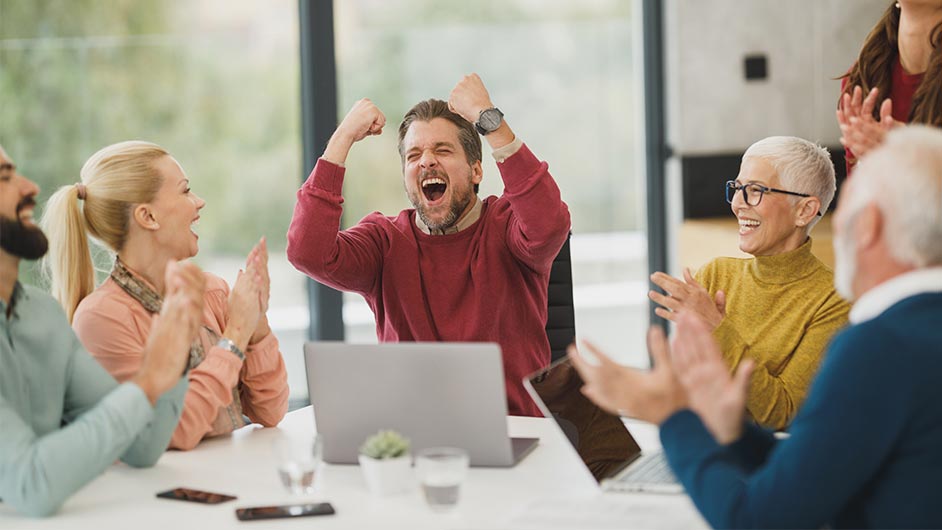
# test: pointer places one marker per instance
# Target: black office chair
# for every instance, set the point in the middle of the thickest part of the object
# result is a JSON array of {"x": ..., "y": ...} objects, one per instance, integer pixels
[{"x": 560, "y": 315}]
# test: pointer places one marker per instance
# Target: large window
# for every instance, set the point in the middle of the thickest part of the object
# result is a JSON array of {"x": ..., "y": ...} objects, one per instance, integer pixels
[
  {"x": 566, "y": 75},
  {"x": 213, "y": 81},
  {"x": 217, "y": 83}
]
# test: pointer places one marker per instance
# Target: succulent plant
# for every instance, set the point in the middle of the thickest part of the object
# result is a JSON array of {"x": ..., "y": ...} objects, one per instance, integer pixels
[{"x": 385, "y": 444}]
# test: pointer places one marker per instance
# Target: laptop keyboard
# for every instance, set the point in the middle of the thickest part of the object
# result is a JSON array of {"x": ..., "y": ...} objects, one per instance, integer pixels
[{"x": 649, "y": 469}]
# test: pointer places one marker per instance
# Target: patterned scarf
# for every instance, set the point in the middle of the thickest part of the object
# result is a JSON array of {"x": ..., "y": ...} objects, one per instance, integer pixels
[{"x": 152, "y": 302}]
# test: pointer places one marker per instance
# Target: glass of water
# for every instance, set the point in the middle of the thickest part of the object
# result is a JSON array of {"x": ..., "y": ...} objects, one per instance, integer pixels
[
  {"x": 298, "y": 458},
  {"x": 441, "y": 470}
]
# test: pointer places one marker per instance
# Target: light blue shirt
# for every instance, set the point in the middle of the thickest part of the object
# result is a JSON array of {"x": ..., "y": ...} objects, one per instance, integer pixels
[{"x": 63, "y": 418}]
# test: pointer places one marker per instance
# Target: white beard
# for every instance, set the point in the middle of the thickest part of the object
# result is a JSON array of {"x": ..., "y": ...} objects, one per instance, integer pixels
[{"x": 845, "y": 266}]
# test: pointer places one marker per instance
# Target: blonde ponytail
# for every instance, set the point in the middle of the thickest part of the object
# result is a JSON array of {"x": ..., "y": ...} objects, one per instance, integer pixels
[
  {"x": 69, "y": 261},
  {"x": 115, "y": 179}
]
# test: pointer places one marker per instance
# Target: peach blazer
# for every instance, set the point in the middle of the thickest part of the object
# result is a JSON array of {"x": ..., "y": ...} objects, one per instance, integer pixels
[{"x": 114, "y": 328}]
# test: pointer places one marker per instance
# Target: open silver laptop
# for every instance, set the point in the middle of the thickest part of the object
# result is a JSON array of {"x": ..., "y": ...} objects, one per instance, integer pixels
[
  {"x": 602, "y": 440},
  {"x": 434, "y": 393}
]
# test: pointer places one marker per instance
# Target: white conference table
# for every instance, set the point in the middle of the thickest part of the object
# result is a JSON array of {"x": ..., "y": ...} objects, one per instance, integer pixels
[{"x": 550, "y": 488}]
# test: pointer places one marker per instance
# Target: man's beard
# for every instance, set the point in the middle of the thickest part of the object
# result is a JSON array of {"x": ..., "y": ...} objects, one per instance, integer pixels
[
  {"x": 27, "y": 242},
  {"x": 845, "y": 266},
  {"x": 458, "y": 205}
]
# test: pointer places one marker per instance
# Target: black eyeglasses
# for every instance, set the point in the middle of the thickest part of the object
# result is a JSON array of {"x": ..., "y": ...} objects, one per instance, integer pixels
[{"x": 752, "y": 192}]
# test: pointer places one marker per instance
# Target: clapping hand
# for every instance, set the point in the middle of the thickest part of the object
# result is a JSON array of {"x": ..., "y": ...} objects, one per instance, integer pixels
[
  {"x": 687, "y": 296},
  {"x": 860, "y": 132},
  {"x": 245, "y": 298},
  {"x": 648, "y": 395},
  {"x": 259, "y": 255},
  {"x": 716, "y": 396},
  {"x": 168, "y": 345}
]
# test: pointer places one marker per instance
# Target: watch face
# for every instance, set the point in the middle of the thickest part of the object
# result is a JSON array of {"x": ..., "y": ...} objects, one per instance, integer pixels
[{"x": 490, "y": 119}]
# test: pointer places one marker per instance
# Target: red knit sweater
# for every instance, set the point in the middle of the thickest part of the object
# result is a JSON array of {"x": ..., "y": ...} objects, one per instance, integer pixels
[{"x": 486, "y": 283}]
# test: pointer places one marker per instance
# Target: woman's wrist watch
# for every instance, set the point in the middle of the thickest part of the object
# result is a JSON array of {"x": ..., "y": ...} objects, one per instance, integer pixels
[{"x": 227, "y": 344}]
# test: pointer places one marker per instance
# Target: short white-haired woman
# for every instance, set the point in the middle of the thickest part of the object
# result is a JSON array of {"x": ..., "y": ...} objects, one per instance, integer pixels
[
  {"x": 135, "y": 199},
  {"x": 779, "y": 307}
]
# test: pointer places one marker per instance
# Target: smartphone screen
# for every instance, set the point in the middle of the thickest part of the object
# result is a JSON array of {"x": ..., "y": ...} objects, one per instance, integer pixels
[
  {"x": 278, "y": 512},
  {"x": 187, "y": 494}
]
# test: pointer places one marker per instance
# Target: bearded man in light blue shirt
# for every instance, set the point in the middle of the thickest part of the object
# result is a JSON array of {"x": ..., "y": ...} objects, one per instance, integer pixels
[{"x": 64, "y": 418}]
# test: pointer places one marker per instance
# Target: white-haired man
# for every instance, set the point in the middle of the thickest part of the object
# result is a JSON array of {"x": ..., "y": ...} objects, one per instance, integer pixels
[{"x": 866, "y": 448}]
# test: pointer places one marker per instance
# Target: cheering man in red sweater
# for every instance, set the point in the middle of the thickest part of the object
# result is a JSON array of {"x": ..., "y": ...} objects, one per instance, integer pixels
[{"x": 454, "y": 268}]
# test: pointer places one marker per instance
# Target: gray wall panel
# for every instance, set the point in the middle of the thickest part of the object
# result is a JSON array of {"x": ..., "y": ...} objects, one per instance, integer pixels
[{"x": 713, "y": 109}]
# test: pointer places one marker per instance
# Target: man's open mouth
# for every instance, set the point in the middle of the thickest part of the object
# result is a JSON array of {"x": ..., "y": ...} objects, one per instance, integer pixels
[
  {"x": 24, "y": 211},
  {"x": 434, "y": 188}
]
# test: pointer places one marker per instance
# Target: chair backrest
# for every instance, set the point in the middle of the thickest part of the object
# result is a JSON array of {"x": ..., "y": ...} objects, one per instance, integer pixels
[{"x": 560, "y": 314}]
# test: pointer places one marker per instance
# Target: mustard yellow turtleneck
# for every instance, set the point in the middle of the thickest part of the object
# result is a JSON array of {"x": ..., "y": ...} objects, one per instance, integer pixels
[{"x": 781, "y": 311}]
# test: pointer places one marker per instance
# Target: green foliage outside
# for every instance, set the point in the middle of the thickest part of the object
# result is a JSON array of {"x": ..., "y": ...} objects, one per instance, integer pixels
[
  {"x": 216, "y": 82},
  {"x": 561, "y": 71},
  {"x": 77, "y": 75}
]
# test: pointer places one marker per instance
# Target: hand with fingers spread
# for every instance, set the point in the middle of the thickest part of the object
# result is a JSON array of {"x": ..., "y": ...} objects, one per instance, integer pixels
[
  {"x": 651, "y": 396},
  {"x": 168, "y": 345},
  {"x": 687, "y": 296},
  {"x": 860, "y": 131},
  {"x": 716, "y": 396},
  {"x": 259, "y": 255},
  {"x": 364, "y": 119},
  {"x": 244, "y": 303}
]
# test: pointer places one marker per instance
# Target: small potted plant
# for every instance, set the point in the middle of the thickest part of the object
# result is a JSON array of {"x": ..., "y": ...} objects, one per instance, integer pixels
[{"x": 386, "y": 463}]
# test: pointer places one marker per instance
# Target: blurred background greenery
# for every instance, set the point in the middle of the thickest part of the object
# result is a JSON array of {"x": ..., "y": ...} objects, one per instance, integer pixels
[
  {"x": 220, "y": 93},
  {"x": 216, "y": 82}
]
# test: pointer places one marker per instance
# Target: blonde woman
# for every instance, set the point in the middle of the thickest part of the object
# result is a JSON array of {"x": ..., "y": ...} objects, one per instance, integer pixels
[{"x": 135, "y": 199}]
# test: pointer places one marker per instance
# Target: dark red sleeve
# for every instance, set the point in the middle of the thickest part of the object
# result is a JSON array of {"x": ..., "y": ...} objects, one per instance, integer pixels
[
  {"x": 539, "y": 223},
  {"x": 349, "y": 260}
]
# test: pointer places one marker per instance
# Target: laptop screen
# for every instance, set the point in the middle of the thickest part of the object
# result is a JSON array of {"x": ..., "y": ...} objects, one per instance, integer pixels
[{"x": 601, "y": 439}]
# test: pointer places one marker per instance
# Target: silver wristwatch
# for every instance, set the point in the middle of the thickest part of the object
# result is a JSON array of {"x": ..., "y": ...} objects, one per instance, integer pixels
[
  {"x": 489, "y": 120},
  {"x": 227, "y": 344}
]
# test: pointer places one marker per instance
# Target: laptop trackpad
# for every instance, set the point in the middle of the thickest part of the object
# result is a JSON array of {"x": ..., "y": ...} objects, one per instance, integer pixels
[{"x": 521, "y": 447}]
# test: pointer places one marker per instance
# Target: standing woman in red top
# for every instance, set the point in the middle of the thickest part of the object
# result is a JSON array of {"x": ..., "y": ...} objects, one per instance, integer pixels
[{"x": 900, "y": 71}]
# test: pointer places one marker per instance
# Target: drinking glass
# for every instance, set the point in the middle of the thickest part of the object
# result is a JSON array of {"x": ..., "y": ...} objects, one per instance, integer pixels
[
  {"x": 298, "y": 458},
  {"x": 441, "y": 470}
]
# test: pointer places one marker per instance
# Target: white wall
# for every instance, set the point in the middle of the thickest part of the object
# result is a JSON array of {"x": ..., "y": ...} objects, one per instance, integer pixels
[{"x": 713, "y": 109}]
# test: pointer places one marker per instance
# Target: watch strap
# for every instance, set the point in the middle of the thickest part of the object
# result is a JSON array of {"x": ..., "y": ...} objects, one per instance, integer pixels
[{"x": 227, "y": 344}]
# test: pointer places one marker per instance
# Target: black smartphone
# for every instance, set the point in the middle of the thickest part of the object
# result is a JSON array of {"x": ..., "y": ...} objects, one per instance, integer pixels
[
  {"x": 278, "y": 512},
  {"x": 187, "y": 494}
]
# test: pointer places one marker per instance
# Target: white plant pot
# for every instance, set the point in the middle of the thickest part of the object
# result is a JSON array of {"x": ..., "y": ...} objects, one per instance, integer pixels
[{"x": 388, "y": 476}]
